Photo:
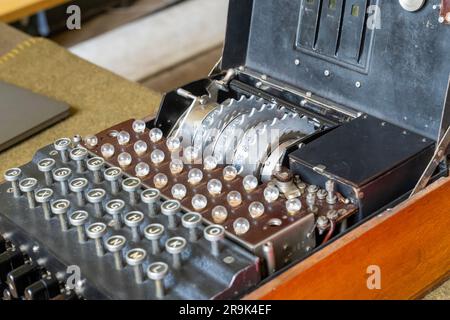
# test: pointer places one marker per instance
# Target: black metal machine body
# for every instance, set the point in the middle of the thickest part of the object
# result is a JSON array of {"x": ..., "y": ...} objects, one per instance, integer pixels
[{"x": 371, "y": 68}]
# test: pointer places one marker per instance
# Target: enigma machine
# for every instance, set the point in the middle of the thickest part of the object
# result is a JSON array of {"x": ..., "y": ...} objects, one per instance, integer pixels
[{"x": 322, "y": 115}]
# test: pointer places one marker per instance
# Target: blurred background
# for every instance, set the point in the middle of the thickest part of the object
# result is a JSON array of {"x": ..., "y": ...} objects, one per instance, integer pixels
[{"x": 161, "y": 44}]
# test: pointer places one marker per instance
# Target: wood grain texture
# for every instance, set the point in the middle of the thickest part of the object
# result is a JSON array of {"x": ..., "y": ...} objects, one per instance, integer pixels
[
  {"x": 411, "y": 245},
  {"x": 13, "y": 10}
]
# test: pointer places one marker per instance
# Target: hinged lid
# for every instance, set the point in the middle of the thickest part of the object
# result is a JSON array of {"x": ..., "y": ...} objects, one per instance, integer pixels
[{"x": 371, "y": 55}]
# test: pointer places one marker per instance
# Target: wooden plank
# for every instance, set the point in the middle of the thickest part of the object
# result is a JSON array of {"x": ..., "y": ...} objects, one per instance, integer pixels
[
  {"x": 13, "y": 10},
  {"x": 410, "y": 244}
]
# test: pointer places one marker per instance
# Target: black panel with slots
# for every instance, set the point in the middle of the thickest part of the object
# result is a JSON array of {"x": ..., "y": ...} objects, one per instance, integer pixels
[{"x": 334, "y": 29}]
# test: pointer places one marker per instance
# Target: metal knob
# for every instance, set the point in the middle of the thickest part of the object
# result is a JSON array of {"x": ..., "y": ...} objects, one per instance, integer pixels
[
  {"x": 62, "y": 145},
  {"x": 43, "y": 196},
  {"x": 113, "y": 175},
  {"x": 28, "y": 185},
  {"x": 412, "y": 5},
  {"x": 191, "y": 221},
  {"x": 78, "y": 186},
  {"x": 46, "y": 166},
  {"x": 60, "y": 208},
  {"x": 115, "y": 208},
  {"x": 96, "y": 231},
  {"x": 214, "y": 233},
  {"x": 157, "y": 271},
  {"x": 154, "y": 232},
  {"x": 133, "y": 220},
  {"x": 175, "y": 247},
  {"x": 151, "y": 198},
  {"x": 13, "y": 175},
  {"x": 330, "y": 186},
  {"x": 95, "y": 197},
  {"x": 78, "y": 219},
  {"x": 170, "y": 208},
  {"x": 135, "y": 258},
  {"x": 115, "y": 244},
  {"x": 131, "y": 185},
  {"x": 79, "y": 155},
  {"x": 95, "y": 165},
  {"x": 62, "y": 175}
]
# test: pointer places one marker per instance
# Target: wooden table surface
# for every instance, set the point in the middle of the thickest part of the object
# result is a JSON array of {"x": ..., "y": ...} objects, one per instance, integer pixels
[{"x": 13, "y": 10}]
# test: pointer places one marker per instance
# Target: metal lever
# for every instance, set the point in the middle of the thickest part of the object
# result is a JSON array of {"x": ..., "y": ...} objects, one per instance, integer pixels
[{"x": 439, "y": 155}]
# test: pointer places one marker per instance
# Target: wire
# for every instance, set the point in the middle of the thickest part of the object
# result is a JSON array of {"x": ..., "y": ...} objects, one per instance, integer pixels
[{"x": 330, "y": 231}]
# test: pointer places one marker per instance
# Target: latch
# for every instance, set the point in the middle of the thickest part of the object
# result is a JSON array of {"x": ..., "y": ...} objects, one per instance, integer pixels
[{"x": 438, "y": 157}]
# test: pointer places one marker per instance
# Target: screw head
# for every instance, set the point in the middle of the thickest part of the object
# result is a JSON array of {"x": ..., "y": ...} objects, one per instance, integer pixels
[
  {"x": 114, "y": 206},
  {"x": 95, "y": 195},
  {"x": 191, "y": 220},
  {"x": 46, "y": 165},
  {"x": 214, "y": 232},
  {"x": 43, "y": 195},
  {"x": 170, "y": 207},
  {"x": 78, "y": 184},
  {"x": 157, "y": 270},
  {"x": 322, "y": 222},
  {"x": 133, "y": 219},
  {"x": 78, "y": 154},
  {"x": 78, "y": 218},
  {"x": 135, "y": 257},
  {"x": 60, "y": 206},
  {"x": 150, "y": 195},
  {"x": 175, "y": 245},
  {"x": 96, "y": 230},
  {"x": 115, "y": 243},
  {"x": 95, "y": 164},
  {"x": 112, "y": 174},
  {"x": 28, "y": 184},
  {"x": 12, "y": 174},
  {"x": 154, "y": 231},
  {"x": 131, "y": 184},
  {"x": 62, "y": 174},
  {"x": 322, "y": 194},
  {"x": 62, "y": 144}
]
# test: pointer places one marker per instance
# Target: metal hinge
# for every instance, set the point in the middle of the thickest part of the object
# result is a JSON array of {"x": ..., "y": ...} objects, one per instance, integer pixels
[{"x": 439, "y": 155}]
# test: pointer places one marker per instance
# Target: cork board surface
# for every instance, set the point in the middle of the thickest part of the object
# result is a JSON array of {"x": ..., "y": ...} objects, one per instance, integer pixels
[{"x": 98, "y": 98}]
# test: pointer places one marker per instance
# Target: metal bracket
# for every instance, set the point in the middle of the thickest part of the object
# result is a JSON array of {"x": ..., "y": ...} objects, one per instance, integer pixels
[{"x": 439, "y": 155}]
